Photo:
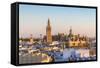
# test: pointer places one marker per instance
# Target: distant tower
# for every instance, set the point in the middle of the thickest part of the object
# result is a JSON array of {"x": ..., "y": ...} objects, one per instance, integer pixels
[
  {"x": 31, "y": 38},
  {"x": 48, "y": 32},
  {"x": 70, "y": 32}
]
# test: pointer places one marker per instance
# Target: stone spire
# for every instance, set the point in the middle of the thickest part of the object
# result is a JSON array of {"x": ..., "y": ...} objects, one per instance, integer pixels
[
  {"x": 48, "y": 22},
  {"x": 70, "y": 31},
  {"x": 48, "y": 32}
]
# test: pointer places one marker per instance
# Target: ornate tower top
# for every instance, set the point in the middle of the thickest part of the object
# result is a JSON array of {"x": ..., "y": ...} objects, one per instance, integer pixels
[
  {"x": 70, "y": 31},
  {"x": 48, "y": 25},
  {"x": 48, "y": 22}
]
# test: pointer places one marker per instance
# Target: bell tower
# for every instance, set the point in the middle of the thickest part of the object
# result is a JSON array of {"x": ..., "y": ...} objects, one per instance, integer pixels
[{"x": 48, "y": 32}]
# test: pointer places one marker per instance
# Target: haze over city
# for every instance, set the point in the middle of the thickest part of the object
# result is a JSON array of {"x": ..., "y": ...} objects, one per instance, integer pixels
[
  {"x": 33, "y": 20},
  {"x": 56, "y": 34}
]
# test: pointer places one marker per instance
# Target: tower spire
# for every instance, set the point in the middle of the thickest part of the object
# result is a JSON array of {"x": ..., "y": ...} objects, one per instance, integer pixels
[
  {"x": 48, "y": 32},
  {"x": 48, "y": 22},
  {"x": 70, "y": 30}
]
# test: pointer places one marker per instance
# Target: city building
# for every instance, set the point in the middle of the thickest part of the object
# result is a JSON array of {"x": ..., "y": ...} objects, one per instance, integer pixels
[
  {"x": 76, "y": 40},
  {"x": 48, "y": 33},
  {"x": 31, "y": 39}
]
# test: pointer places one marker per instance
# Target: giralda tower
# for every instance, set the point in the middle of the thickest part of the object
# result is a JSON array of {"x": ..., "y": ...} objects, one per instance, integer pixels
[{"x": 48, "y": 32}]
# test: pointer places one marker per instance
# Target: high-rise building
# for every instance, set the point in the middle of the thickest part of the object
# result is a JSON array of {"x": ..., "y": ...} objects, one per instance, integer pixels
[{"x": 48, "y": 32}]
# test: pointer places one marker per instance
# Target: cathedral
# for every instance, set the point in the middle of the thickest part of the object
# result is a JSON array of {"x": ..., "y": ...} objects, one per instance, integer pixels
[
  {"x": 76, "y": 40},
  {"x": 48, "y": 33}
]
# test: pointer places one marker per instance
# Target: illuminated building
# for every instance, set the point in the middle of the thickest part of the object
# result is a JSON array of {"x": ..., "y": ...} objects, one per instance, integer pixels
[
  {"x": 48, "y": 32},
  {"x": 76, "y": 40}
]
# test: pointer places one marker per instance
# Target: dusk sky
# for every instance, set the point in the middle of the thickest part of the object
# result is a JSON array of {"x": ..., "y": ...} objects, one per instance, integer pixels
[{"x": 33, "y": 20}]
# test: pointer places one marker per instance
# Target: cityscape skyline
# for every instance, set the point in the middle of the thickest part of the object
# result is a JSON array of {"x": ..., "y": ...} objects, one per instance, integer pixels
[
  {"x": 32, "y": 21},
  {"x": 56, "y": 34}
]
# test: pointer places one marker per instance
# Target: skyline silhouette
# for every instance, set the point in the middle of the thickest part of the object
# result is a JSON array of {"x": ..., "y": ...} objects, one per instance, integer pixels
[{"x": 33, "y": 20}]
